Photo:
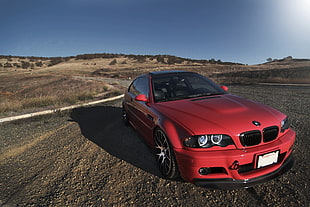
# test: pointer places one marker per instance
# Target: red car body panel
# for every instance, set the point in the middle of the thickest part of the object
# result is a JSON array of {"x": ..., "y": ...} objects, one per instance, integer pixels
[
  {"x": 224, "y": 114},
  {"x": 218, "y": 114},
  {"x": 226, "y": 158}
]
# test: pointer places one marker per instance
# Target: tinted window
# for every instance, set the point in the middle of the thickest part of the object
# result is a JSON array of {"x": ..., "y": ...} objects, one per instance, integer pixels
[
  {"x": 139, "y": 86},
  {"x": 199, "y": 82},
  {"x": 183, "y": 85}
]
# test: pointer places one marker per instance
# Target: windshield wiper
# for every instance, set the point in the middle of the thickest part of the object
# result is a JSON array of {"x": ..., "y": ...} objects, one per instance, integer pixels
[
  {"x": 189, "y": 96},
  {"x": 204, "y": 94}
]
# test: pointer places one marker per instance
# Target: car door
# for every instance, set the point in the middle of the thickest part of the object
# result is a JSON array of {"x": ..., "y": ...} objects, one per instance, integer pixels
[{"x": 139, "y": 111}]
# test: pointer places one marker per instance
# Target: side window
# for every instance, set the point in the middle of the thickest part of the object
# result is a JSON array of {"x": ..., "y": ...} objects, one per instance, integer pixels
[{"x": 140, "y": 86}]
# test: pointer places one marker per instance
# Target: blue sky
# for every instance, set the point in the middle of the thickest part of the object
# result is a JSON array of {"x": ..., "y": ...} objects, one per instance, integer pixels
[{"x": 246, "y": 31}]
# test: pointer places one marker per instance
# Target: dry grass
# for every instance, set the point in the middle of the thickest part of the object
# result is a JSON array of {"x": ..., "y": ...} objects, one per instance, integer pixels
[
  {"x": 26, "y": 93},
  {"x": 78, "y": 80},
  {"x": 297, "y": 75}
]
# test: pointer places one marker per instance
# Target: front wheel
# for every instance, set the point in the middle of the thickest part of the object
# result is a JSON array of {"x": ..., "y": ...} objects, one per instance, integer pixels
[{"x": 165, "y": 156}]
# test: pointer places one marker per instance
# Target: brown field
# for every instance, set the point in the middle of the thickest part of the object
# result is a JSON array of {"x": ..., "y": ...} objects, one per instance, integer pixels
[{"x": 29, "y": 84}]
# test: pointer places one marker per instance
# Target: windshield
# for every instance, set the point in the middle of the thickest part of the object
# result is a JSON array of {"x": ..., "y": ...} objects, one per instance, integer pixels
[{"x": 178, "y": 86}]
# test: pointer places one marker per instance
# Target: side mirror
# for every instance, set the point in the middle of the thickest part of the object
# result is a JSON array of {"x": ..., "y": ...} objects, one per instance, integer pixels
[
  {"x": 141, "y": 97},
  {"x": 225, "y": 88}
]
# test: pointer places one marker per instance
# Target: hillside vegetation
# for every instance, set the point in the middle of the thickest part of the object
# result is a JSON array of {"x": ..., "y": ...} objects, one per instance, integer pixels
[
  {"x": 38, "y": 62},
  {"x": 32, "y": 83}
]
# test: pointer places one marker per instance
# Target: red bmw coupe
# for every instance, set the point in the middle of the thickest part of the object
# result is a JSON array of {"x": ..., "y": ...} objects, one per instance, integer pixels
[{"x": 208, "y": 137}]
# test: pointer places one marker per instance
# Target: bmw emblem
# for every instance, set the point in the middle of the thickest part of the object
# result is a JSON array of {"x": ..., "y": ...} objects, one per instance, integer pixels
[{"x": 256, "y": 123}]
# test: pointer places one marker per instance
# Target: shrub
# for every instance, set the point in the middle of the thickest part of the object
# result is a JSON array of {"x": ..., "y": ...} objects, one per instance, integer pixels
[
  {"x": 55, "y": 61},
  {"x": 106, "y": 87},
  {"x": 9, "y": 105},
  {"x": 160, "y": 59},
  {"x": 38, "y": 102},
  {"x": 113, "y": 62},
  {"x": 16, "y": 65},
  {"x": 39, "y": 64},
  {"x": 25, "y": 64},
  {"x": 7, "y": 65}
]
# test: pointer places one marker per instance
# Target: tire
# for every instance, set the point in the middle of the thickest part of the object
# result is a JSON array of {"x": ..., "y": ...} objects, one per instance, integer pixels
[{"x": 165, "y": 156}]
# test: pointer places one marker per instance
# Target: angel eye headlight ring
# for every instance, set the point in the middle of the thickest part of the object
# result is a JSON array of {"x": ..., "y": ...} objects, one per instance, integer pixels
[
  {"x": 216, "y": 138},
  {"x": 203, "y": 140},
  {"x": 208, "y": 140}
]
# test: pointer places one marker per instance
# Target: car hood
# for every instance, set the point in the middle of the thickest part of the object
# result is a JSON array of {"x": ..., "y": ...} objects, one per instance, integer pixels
[{"x": 225, "y": 114}]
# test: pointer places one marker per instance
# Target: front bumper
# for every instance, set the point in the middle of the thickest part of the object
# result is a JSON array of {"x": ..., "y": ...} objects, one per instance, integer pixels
[
  {"x": 229, "y": 183},
  {"x": 221, "y": 162}
]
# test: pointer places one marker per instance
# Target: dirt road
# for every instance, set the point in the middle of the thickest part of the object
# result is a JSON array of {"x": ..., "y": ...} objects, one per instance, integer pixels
[{"x": 86, "y": 157}]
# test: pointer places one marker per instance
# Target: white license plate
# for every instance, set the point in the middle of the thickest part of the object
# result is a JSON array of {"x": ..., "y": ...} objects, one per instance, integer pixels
[{"x": 267, "y": 159}]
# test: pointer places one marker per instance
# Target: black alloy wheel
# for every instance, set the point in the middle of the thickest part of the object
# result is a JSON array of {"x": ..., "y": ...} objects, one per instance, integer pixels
[{"x": 165, "y": 156}]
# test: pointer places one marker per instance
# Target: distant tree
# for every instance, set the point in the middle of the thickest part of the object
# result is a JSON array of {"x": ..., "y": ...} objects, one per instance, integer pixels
[
  {"x": 96, "y": 55},
  {"x": 212, "y": 61},
  {"x": 269, "y": 59}
]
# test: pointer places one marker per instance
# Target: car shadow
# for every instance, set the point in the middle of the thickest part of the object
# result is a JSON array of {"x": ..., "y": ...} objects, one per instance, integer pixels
[{"x": 103, "y": 125}]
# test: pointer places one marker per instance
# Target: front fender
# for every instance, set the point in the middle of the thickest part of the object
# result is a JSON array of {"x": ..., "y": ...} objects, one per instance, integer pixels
[{"x": 174, "y": 132}]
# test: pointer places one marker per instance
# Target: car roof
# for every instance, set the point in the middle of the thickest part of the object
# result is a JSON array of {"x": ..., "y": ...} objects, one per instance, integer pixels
[{"x": 164, "y": 72}]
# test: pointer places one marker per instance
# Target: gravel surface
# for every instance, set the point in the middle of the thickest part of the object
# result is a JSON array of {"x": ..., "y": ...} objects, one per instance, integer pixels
[{"x": 86, "y": 157}]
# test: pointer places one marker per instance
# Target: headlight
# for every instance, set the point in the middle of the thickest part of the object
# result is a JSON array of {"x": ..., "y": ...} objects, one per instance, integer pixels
[
  {"x": 216, "y": 139},
  {"x": 208, "y": 140},
  {"x": 285, "y": 124},
  {"x": 202, "y": 140}
]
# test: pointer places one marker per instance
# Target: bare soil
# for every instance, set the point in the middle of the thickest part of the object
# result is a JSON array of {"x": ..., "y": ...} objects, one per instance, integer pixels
[{"x": 87, "y": 157}]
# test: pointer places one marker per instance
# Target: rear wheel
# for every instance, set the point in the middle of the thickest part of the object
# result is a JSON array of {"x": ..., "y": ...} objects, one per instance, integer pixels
[
  {"x": 165, "y": 155},
  {"x": 125, "y": 117}
]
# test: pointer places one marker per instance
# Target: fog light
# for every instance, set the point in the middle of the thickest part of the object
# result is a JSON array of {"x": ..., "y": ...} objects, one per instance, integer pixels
[{"x": 204, "y": 171}]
